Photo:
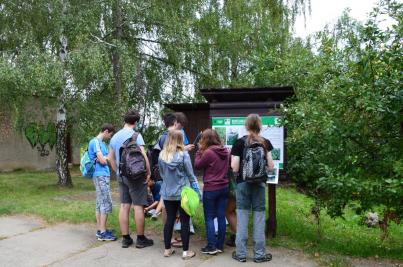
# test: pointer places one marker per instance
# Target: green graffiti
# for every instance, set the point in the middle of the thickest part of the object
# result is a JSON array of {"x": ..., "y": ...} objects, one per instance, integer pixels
[
  {"x": 31, "y": 133},
  {"x": 41, "y": 135}
]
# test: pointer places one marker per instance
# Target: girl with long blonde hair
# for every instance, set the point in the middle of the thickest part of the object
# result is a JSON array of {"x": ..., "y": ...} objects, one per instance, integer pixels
[{"x": 176, "y": 171}]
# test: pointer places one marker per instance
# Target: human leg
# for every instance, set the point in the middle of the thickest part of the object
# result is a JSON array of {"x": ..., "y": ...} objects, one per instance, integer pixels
[
  {"x": 209, "y": 208},
  {"x": 221, "y": 204}
]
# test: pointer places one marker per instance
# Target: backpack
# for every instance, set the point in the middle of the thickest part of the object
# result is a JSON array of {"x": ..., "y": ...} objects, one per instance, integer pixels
[
  {"x": 87, "y": 166},
  {"x": 254, "y": 163},
  {"x": 132, "y": 163},
  {"x": 155, "y": 154}
]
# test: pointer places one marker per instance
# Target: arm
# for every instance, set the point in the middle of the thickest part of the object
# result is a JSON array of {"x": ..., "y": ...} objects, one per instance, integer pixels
[
  {"x": 101, "y": 159},
  {"x": 270, "y": 163},
  {"x": 112, "y": 159},
  {"x": 201, "y": 159},
  {"x": 235, "y": 162},
  {"x": 152, "y": 206},
  {"x": 147, "y": 163}
]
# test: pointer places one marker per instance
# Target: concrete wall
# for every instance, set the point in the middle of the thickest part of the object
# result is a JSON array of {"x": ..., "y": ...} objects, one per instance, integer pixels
[
  {"x": 15, "y": 150},
  {"x": 17, "y": 153}
]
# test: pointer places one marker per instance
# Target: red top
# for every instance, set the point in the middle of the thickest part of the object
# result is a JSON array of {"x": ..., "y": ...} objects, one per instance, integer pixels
[{"x": 215, "y": 163}]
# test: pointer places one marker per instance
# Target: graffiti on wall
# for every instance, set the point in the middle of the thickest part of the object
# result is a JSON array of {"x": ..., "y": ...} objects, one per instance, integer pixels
[{"x": 39, "y": 135}]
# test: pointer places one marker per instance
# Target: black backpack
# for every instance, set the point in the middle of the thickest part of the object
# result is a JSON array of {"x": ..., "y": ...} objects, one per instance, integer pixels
[
  {"x": 132, "y": 163},
  {"x": 154, "y": 154},
  {"x": 254, "y": 163}
]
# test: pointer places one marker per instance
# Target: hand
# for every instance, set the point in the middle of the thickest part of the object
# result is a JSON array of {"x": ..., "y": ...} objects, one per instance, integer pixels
[
  {"x": 189, "y": 147},
  {"x": 148, "y": 178},
  {"x": 271, "y": 167}
]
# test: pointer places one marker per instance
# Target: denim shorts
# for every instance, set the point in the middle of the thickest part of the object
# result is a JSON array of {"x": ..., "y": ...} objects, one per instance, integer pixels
[
  {"x": 249, "y": 195},
  {"x": 103, "y": 192}
]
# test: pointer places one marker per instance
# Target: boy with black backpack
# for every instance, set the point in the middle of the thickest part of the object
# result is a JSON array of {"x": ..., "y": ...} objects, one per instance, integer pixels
[
  {"x": 251, "y": 158},
  {"x": 129, "y": 161}
]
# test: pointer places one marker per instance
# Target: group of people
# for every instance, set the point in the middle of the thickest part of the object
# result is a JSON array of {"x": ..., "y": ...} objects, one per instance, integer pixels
[{"x": 225, "y": 195}]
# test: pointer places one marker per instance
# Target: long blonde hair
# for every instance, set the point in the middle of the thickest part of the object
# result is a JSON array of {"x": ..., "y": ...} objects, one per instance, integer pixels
[
  {"x": 173, "y": 144},
  {"x": 253, "y": 124}
]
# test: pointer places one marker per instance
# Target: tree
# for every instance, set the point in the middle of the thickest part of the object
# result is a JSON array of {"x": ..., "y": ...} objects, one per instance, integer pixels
[
  {"x": 130, "y": 54},
  {"x": 344, "y": 126}
]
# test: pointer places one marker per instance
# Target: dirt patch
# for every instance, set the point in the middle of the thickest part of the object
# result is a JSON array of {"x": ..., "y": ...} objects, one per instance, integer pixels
[{"x": 87, "y": 196}]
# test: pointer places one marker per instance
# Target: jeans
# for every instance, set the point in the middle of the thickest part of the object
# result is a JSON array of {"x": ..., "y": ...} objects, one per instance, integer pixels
[
  {"x": 214, "y": 203},
  {"x": 171, "y": 207},
  {"x": 249, "y": 196}
]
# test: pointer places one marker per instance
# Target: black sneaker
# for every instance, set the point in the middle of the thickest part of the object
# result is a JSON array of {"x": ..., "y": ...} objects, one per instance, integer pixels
[
  {"x": 127, "y": 242},
  {"x": 265, "y": 258},
  {"x": 220, "y": 250},
  {"x": 236, "y": 257},
  {"x": 209, "y": 250},
  {"x": 145, "y": 242},
  {"x": 231, "y": 241}
]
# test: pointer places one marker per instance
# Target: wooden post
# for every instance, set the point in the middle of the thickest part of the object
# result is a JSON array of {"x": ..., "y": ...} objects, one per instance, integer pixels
[{"x": 271, "y": 224}]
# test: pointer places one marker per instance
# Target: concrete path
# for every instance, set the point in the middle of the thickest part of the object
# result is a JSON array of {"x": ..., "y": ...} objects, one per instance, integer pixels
[{"x": 26, "y": 241}]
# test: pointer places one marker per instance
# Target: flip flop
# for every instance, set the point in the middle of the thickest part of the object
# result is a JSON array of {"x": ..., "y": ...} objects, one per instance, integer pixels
[
  {"x": 170, "y": 253},
  {"x": 189, "y": 255}
]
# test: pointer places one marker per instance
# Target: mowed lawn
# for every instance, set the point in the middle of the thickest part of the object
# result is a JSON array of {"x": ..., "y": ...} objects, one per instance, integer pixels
[{"x": 36, "y": 193}]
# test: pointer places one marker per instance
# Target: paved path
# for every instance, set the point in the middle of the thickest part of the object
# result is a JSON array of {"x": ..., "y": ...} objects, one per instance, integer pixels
[{"x": 26, "y": 241}]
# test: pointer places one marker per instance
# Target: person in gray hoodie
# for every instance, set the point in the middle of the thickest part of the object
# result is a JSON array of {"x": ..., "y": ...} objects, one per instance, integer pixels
[{"x": 176, "y": 171}]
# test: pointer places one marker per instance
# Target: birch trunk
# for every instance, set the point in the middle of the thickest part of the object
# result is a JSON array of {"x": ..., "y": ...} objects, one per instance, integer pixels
[{"x": 62, "y": 167}]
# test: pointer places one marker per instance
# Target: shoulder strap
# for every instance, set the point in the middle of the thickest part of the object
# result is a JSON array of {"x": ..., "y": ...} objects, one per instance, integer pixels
[{"x": 134, "y": 136}]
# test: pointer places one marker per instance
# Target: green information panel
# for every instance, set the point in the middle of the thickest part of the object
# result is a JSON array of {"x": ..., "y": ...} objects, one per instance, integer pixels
[{"x": 231, "y": 128}]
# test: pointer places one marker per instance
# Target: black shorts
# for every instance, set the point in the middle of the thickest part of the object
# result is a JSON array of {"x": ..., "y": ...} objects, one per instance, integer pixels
[{"x": 133, "y": 192}]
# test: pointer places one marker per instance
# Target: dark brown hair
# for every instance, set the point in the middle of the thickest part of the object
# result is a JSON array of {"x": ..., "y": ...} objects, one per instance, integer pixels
[
  {"x": 181, "y": 118},
  {"x": 253, "y": 124},
  {"x": 209, "y": 138},
  {"x": 107, "y": 126},
  {"x": 169, "y": 119},
  {"x": 132, "y": 116}
]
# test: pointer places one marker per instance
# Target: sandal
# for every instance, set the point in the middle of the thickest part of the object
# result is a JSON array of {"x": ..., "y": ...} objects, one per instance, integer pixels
[
  {"x": 169, "y": 253},
  {"x": 265, "y": 258},
  {"x": 177, "y": 244},
  {"x": 190, "y": 254}
]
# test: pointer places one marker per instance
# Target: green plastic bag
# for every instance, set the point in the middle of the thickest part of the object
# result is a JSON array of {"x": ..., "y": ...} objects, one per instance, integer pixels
[{"x": 189, "y": 200}]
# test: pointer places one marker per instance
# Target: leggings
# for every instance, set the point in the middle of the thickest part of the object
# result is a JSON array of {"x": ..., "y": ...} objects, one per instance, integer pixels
[{"x": 171, "y": 207}]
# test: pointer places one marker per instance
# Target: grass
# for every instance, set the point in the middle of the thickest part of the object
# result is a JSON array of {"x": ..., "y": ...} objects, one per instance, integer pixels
[{"x": 35, "y": 193}]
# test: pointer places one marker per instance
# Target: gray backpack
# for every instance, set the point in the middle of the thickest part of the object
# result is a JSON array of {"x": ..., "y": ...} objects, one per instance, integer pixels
[
  {"x": 132, "y": 163},
  {"x": 254, "y": 163}
]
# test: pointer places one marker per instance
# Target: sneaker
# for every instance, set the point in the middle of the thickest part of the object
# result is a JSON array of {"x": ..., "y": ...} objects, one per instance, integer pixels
[
  {"x": 236, "y": 257},
  {"x": 231, "y": 241},
  {"x": 150, "y": 213},
  {"x": 142, "y": 243},
  {"x": 154, "y": 217},
  {"x": 220, "y": 250},
  {"x": 98, "y": 234},
  {"x": 209, "y": 250},
  {"x": 107, "y": 236},
  {"x": 265, "y": 258},
  {"x": 127, "y": 242}
]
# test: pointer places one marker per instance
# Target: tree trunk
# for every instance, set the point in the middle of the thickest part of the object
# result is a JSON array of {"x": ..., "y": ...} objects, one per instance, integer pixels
[
  {"x": 61, "y": 148},
  {"x": 61, "y": 125},
  {"x": 118, "y": 33}
]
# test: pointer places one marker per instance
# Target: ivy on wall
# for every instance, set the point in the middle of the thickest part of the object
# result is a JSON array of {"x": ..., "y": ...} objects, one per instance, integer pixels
[{"x": 39, "y": 135}]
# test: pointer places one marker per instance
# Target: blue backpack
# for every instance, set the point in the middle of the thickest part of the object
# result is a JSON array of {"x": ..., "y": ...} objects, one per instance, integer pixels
[{"x": 87, "y": 166}]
